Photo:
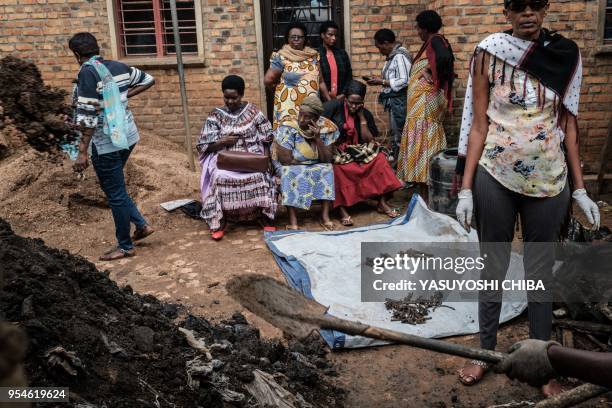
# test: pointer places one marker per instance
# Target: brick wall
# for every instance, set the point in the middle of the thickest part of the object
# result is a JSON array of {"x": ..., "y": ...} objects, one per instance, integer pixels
[
  {"x": 39, "y": 30},
  {"x": 367, "y": 17},
  {"x": 469, "y": 21}
]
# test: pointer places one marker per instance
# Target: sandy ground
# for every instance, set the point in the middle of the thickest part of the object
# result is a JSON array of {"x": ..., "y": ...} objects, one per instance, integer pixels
[{"x": 180, "y": 263}]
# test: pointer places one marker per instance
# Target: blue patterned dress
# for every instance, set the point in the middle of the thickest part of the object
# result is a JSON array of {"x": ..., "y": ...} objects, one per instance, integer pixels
[{"x": 301, "y": 184}]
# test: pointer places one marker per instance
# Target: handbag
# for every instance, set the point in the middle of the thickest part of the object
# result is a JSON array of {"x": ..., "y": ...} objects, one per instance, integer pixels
[{"x": 243, "y": 162}]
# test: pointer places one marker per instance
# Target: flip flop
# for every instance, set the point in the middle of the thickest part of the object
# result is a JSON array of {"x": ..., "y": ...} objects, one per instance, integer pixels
[
  {"x": 347, "y": 222},
  {"x": 292, "y": 228},
  {"x": 217, "y": 235},
  {"x": 392, "y": 213},
  {"x": 269, "y": 228},
  {"x": 330, "y": 226}
]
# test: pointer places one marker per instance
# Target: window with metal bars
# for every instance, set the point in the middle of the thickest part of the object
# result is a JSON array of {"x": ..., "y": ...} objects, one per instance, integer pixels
[
  {"x": 608, "y": 23},
  {"x": 310, "y": 12},
  {"x": 144, "y": 27}
]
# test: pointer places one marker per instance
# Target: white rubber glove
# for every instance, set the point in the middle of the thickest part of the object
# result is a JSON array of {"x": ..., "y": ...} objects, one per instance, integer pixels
[
  {"x": 588, "y": 207},
  {"x": 465, "y": 208}
]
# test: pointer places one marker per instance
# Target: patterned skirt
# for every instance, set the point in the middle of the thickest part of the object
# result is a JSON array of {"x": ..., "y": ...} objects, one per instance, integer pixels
[
  {"x": 303, "y": 184},
  {"x": 423, "y": 136},
  {"x": 236, "y": 196}
]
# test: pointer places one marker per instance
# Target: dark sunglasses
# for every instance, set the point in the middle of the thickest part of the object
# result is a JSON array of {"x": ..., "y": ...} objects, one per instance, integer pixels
[{"x": 518, "y": 6}]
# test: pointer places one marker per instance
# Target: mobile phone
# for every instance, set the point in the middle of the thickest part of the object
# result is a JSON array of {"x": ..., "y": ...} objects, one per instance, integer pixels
[{"x": 366, "y": 78}]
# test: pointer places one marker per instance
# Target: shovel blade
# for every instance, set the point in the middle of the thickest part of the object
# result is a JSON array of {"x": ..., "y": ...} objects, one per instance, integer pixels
[{"x": 277, "y": 303}]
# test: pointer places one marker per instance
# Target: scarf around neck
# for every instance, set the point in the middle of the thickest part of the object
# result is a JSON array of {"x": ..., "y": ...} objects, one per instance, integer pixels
[
  {"x": 114, "y": 111},
  {"x": 294, "y": 55},
  {"x": 553, "y": 60}
]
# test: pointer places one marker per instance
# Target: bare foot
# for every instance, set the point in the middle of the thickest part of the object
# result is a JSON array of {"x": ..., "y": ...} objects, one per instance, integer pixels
[
  {"x": 551, "y": 389},
  {"x": 471, "y": 373}
]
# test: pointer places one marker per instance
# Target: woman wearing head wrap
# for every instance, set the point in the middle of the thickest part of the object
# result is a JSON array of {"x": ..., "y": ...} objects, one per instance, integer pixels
[
  {"x": 361, "y": 169},
  {"x": 429, "y": 97},
  {"x": 236, "y": 126},
  {"x": 303, "y": 147},
  {"x": 293, "y": 73},
  {"x": 519, "y": 137}
]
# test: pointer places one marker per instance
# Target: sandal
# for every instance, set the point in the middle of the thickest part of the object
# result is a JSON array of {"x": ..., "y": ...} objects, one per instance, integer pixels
[
  {"x": 117, "y": 253},
  {"x": 347, "y": 222},
  {"x": 269, "y": 228},
  {"x": 328, "y": 226},
  {"x": 142, "y": 233},
  {"x": 391, "y": 213},
  {"x": 469, "y": 379},
  {"x": 292, "y": 228},
  {"x": 217, "y": 235}
]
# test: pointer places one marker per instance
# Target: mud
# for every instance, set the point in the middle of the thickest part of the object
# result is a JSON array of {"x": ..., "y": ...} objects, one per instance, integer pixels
[
  {"x": 30, "y": 111},
  {"x": 115, "y": 348}
]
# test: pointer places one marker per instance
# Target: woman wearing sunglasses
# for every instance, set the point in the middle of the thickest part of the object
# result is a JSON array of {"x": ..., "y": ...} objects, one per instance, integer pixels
[
  {"x": 293, "y": 74},
  {"x": 520, "y": 142}
]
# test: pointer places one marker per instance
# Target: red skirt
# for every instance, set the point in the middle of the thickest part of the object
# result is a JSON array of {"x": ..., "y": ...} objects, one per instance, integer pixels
[{"x": 357, "y": 182}]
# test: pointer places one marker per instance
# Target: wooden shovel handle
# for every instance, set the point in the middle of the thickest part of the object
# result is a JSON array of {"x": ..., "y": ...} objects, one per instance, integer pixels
[{"x": 360, "y": 329}]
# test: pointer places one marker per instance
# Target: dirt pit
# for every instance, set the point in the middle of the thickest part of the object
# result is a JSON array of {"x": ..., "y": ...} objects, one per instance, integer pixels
[{"x": 115, "y": 348}]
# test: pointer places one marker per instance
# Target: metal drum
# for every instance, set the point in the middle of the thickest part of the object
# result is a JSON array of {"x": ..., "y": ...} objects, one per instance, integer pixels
[{"x": 442, "y": 196}]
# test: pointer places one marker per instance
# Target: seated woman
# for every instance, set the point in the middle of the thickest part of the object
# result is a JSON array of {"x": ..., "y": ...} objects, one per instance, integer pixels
[
  {"x": 304, "y": 149},
  {"x": 361, "y": 169},
  {"x": 237, "y": 126}
]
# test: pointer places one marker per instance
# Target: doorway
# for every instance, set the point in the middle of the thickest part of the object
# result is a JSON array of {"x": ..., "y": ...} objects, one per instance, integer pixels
[{"x": 276, "y": 16}]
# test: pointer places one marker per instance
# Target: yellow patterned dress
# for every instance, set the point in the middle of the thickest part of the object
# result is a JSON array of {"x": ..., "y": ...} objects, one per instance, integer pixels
[
  {"x": 299, "y": 79},
  {"x": 423, "y": 134}
]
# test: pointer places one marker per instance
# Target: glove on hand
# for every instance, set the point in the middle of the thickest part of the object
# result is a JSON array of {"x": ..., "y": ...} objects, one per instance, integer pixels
[
  {"x": 588, "y": 207},
  {"x": 528, "y": 362},
  {"x": 465, "y": 208}
]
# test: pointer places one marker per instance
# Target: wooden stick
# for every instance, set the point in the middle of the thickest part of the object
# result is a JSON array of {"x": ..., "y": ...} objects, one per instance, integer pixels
[
  {"x": 584, "y": 326},
  {"x": 573, "y": 397},
  {"x": 440, "y": 346}
]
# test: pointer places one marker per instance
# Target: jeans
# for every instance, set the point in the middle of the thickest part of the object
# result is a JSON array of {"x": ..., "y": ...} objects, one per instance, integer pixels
[
  {"x": 397, "y": 119},
  {"x": 496, "y": 210},
  {"x": 109, "y": 169}
]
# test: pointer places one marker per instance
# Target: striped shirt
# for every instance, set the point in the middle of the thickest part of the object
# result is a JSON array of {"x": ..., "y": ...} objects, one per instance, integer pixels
[
  {"x": 89, "y": 93},
  {"x": 397, "y": 71}
]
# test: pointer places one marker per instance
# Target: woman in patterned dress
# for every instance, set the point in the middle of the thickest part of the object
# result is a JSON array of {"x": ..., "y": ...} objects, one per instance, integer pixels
[
  {"x": 293, "y": 74},
  {"x": 237, "y": 126},
  {"x": 429, "y": 96},
  {"x": 304, "y": 149}
]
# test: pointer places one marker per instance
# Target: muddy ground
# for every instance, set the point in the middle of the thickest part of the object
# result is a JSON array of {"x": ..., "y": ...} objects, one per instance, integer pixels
[{"x": 181, "y": 264}]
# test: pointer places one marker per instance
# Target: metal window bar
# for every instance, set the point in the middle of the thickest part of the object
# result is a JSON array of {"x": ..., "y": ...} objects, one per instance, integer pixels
[
  {"x": 310, "y": 12},
  {"x": 608, "y": 23},
  {"x": 145, "y": 27}
]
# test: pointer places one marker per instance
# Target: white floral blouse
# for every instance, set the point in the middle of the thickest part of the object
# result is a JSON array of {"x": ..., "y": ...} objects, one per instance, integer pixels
[{"x": 523, "y": 149}]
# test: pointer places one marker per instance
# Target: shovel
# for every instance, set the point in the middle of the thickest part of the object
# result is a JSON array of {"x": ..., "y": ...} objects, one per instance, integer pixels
[{"x": 299, "y": 316}]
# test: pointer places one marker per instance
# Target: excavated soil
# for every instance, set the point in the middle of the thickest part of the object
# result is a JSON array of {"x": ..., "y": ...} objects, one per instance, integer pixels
[
  {"x": 115, "y": 348},
  {"x": 30, "y": 111}
]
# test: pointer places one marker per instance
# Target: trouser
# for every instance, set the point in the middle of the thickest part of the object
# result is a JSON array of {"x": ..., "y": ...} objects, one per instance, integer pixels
[
  {"x": 496, "y": 209},
  {"x": 109, "y": 169},
  {"x": 397, "y": 118}
]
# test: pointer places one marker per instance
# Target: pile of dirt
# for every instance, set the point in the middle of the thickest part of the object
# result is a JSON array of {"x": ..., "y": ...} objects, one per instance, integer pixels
[
  {"x": 115, "y": 348},
  {"x": 40, "y": 192},
  {"x": 30, "y": 109}
]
